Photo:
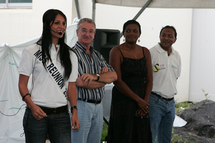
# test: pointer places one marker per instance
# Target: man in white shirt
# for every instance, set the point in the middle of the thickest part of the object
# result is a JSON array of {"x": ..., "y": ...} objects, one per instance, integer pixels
[{"x": 166, "y": 64}]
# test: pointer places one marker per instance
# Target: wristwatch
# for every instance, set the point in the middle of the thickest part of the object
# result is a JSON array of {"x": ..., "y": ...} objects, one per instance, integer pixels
[
  {"x": 73, "y": 107},
  {"x": 98, "y": 77}
]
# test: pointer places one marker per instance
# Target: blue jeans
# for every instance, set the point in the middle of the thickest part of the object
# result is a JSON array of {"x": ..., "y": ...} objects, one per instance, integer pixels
[
  {"x": 162, "y": 115},
  {"x": 57, "y": 126},
  {"x": 91, "y": 119}
]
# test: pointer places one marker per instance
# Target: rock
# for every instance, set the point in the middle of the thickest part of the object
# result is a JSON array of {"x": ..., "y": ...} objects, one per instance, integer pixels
[{"x": 200, "y": 127}]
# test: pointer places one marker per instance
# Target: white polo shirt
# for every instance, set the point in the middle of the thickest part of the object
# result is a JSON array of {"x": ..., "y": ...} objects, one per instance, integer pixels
[
  {"x": 166, "y": 70},
  {"x": 45, "y": 92}
]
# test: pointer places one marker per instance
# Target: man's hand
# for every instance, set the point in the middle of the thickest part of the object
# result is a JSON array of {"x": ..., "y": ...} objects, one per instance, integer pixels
[
  {"x": 87, "y": 78},
  {"x": 105, "y": 69}
]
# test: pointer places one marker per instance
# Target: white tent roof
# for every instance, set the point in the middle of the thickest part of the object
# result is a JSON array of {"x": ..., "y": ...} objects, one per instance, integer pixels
[{"x": 162, "y": 3}]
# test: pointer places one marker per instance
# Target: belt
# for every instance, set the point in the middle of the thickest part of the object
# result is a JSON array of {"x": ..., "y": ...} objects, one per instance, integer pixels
[
  {"x": 57, "y": 110},
  {"x": 90, "y": 101},
  {"x": 167, "y": 99}
]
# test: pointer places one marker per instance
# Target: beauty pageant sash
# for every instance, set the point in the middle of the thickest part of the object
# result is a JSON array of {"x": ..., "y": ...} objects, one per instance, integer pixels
[{"x": 52, "y": 70}]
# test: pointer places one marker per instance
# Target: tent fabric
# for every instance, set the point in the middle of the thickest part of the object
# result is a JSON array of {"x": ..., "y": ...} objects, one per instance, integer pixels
[
  {"x": 162, "y": 3},
  {"x": 12, "y": 107}
]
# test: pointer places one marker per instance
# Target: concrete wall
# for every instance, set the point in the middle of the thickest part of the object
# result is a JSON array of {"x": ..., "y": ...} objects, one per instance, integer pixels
[{"x": 202, "y": 55}]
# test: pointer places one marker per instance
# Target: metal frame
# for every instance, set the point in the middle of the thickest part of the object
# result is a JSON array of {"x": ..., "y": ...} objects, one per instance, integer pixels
[
  {"x": 94, "y": 9},
  {"x": 140, "y": 12},
  {"x": 77, "y": 9}
]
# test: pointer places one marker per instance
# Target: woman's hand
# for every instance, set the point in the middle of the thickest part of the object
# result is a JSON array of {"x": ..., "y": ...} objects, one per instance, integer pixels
[
  {"x": 75, "y": 122},
  {"x": 37, "y": 112},
  {"x": 141, "y": 113},
  {"x": 144, "y": 106}
]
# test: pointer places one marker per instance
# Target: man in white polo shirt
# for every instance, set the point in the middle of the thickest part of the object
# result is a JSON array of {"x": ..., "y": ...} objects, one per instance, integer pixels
[{"x": 166, "y": 64}]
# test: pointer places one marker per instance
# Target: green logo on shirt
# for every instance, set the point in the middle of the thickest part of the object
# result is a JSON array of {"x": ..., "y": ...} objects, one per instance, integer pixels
[{"x": 174, "y": 67}]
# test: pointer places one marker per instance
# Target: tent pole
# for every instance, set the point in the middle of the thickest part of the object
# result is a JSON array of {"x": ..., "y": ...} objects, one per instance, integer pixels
[
  {"x": 140, "y": 12},
  {"x": 142, "y": 9},
  {"x": 94, "y": 9},
  {"x": 77, "y": 9}
]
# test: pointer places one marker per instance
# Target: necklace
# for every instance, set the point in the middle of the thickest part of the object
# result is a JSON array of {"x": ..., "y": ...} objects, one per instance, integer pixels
[
  {"x": 134, "y": 55},
  {"x": 132, "y": 52}
]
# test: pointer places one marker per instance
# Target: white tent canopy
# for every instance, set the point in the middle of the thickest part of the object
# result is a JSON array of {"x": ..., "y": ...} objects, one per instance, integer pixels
[{"x": 162, "y": 3}]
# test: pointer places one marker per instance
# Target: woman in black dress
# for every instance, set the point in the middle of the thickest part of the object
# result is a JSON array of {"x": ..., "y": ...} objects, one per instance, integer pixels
[{"x": 129, "y": 121}]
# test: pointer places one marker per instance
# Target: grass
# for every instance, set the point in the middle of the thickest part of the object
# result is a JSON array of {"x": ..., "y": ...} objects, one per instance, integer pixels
[
  {"x": 175, "y": 137},
  {"x": 104, "y": 132},
  {"x": 183, "y": 105}
]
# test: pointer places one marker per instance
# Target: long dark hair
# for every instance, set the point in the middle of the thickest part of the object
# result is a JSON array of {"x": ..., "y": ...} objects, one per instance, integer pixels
[{"x": 46, "y": 42}]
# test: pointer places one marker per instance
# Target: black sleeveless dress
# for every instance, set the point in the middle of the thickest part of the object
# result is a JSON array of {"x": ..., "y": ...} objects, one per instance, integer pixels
[{"x": 124, "y": 126}]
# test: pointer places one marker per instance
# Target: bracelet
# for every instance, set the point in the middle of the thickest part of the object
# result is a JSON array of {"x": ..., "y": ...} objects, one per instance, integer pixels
[
  {"x": 25, "y": 96},
  {"x": 73, "y": 107}
]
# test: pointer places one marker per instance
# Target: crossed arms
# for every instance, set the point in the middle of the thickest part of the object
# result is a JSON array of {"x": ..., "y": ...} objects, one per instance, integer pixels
[{"x": 89, "y": 80}]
